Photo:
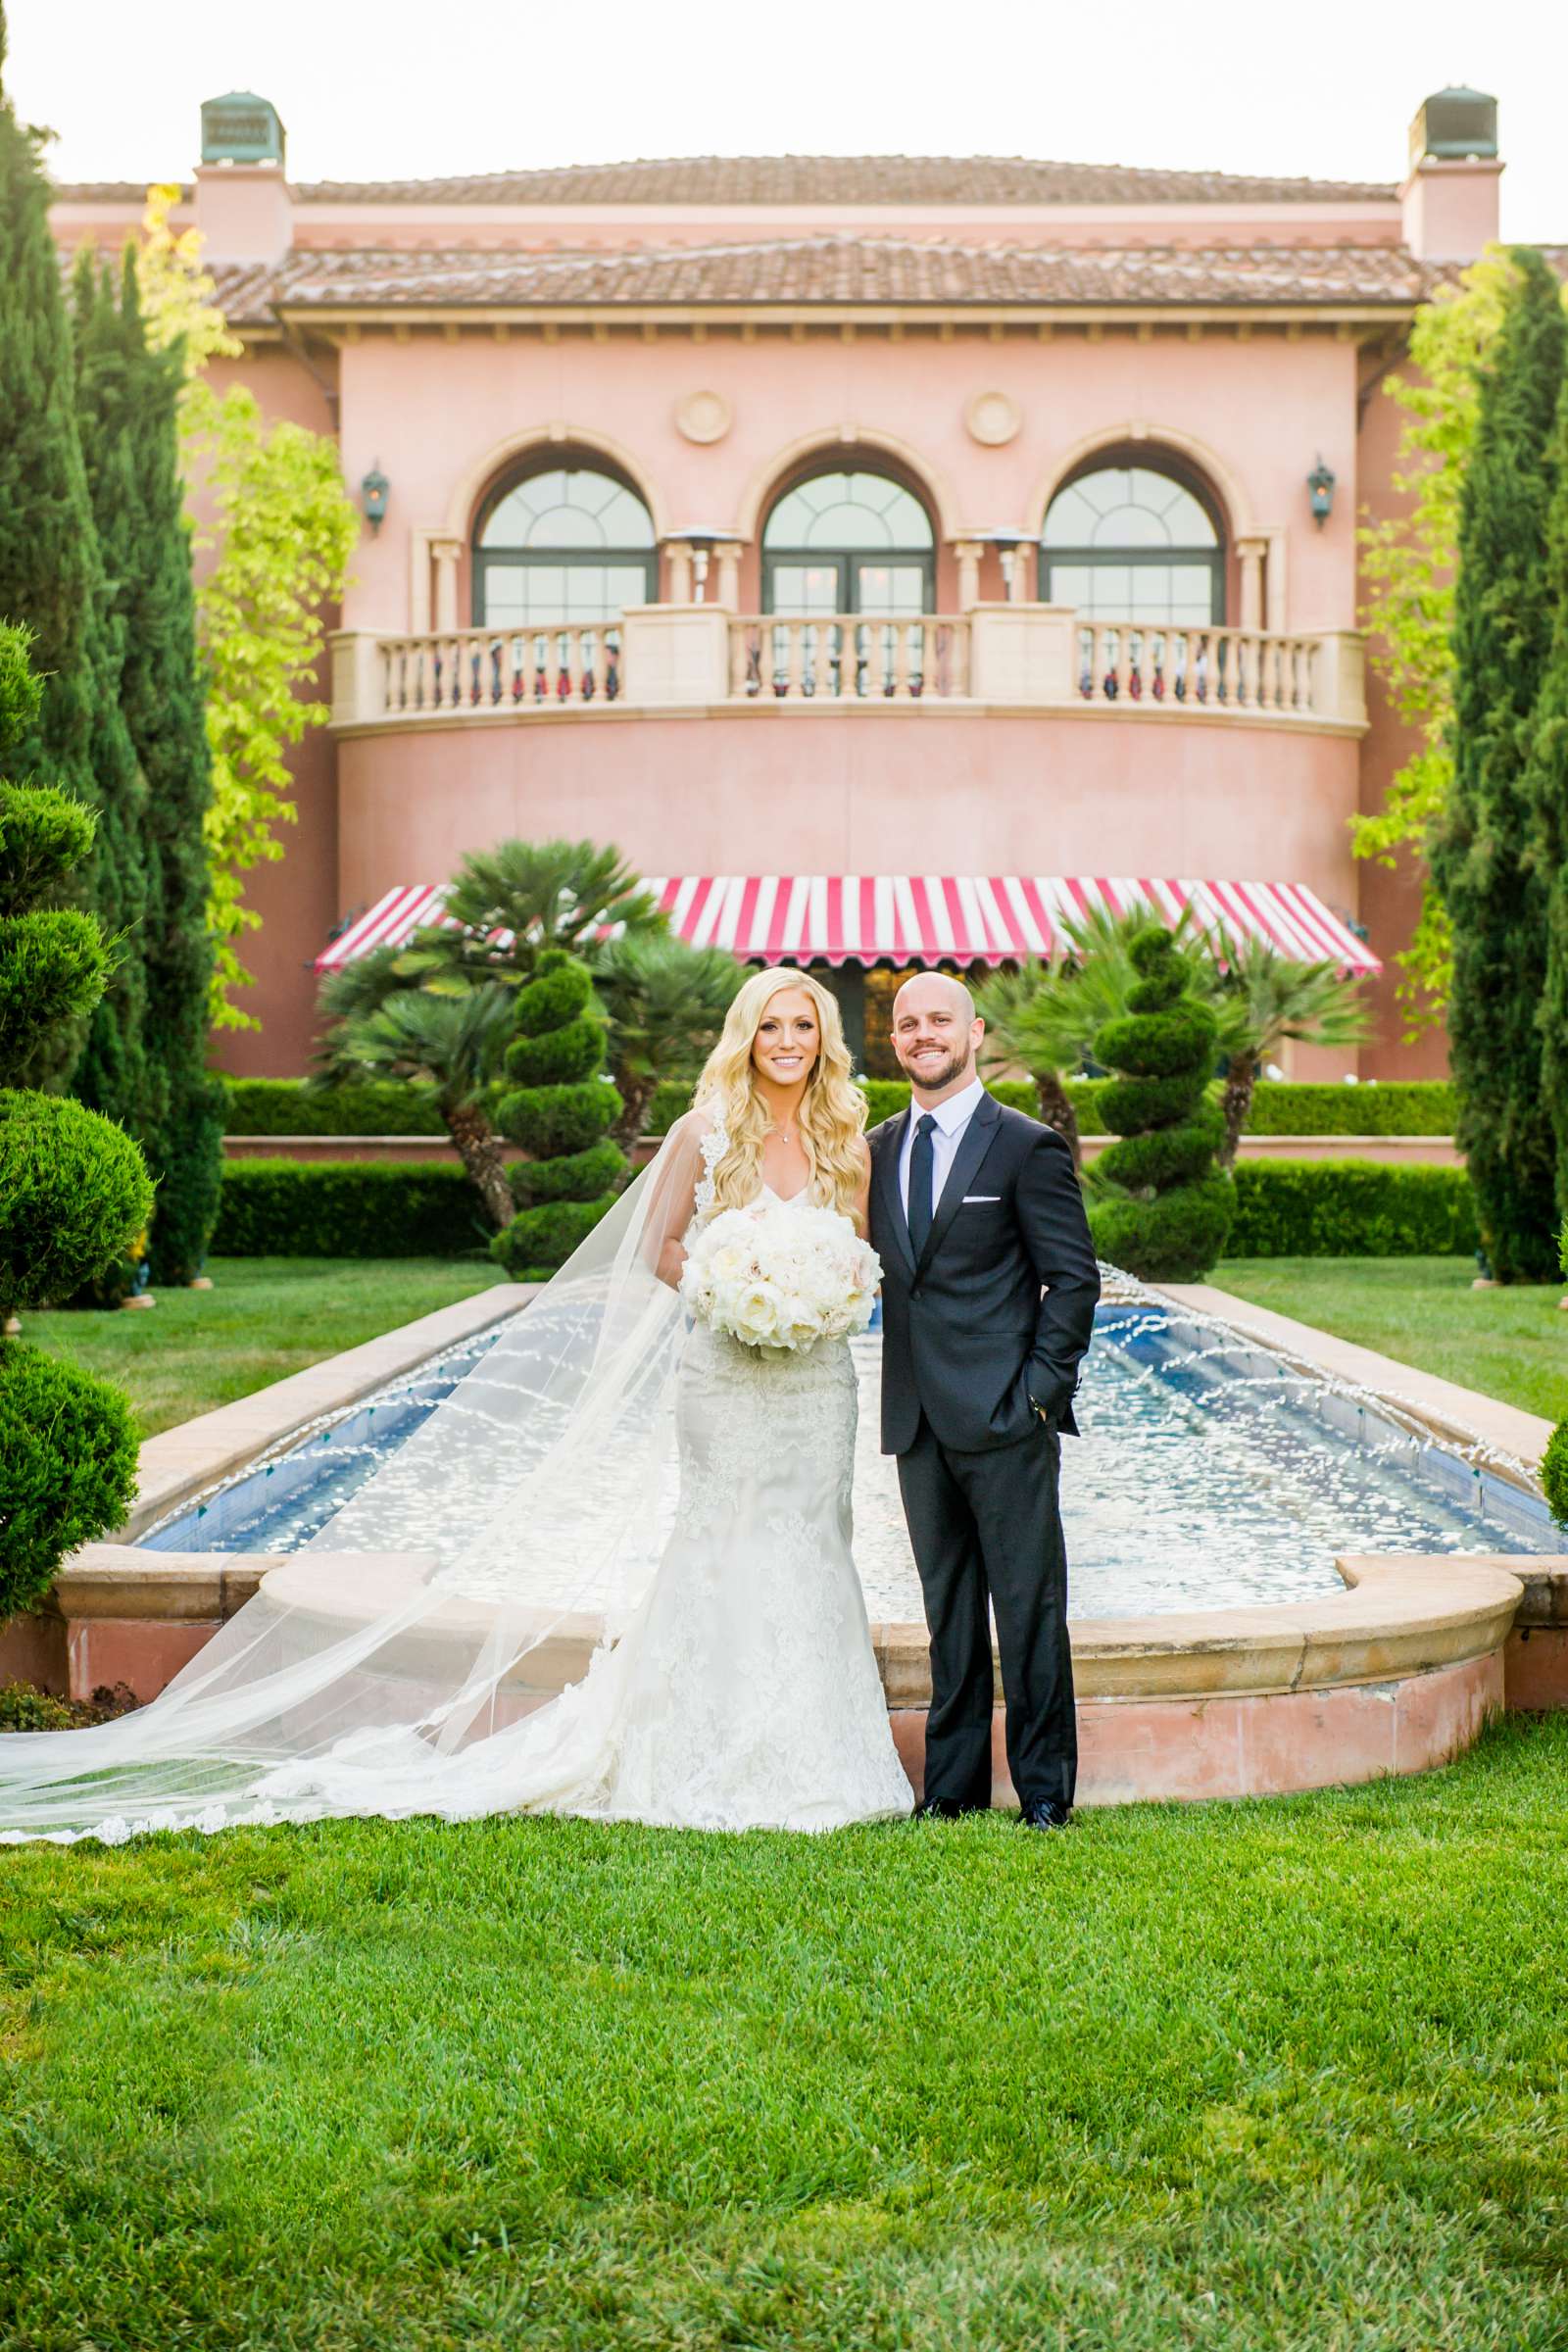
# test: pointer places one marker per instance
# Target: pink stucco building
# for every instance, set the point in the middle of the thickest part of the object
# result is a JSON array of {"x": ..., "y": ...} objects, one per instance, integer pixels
[{"x": 865, "y": 519}]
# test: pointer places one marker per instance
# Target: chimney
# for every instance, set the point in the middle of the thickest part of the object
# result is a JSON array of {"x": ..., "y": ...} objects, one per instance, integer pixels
[
  {"x": 1450, "y": 199},
  {"x": 244, "y": 206}
]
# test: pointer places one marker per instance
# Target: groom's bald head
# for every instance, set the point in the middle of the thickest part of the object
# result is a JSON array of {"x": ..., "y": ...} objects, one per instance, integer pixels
[{"x": 935, "y": 988}]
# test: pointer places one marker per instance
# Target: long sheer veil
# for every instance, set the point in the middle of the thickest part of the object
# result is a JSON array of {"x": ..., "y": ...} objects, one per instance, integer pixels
[{"x": 471, "y": 1575}]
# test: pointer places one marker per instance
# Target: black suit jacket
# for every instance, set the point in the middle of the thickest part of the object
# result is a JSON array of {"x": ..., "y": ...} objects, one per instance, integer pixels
[{"x": 996, "y": 1317}]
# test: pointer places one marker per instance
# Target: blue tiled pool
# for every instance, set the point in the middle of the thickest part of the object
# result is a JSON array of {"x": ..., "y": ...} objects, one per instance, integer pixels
[{"x": 1210, "y": 1474}]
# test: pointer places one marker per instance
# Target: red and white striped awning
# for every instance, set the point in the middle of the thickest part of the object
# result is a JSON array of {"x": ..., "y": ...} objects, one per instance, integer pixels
[{"x": 919, "y": 918}]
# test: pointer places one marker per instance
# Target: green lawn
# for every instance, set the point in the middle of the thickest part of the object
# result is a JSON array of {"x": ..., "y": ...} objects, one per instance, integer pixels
[
  {"x": 1289, "y": 2073},
  {"x": 1511, "y": 1344},
  {"x": 263, "y": 1317}
]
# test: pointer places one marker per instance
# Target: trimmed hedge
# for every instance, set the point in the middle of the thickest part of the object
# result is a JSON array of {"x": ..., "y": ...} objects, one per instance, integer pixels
[
  {"x": 346, "y": 1208},
  {"x": 1351, "y": 1209},
  {"x": 1394, "y": 1106},
  {"x": 1284, "y": 1208},
  {"x": 290, "y": 1107}
]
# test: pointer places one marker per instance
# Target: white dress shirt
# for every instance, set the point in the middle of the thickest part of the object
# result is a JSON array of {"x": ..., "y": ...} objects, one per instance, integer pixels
[{"x": 952, "y": 1118}]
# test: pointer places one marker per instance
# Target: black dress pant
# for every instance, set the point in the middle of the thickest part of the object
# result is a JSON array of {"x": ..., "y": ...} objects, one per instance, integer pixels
[{"x": 987, "y": 1533}]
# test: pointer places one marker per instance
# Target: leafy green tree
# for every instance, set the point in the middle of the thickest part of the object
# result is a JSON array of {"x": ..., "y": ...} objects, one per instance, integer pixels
[
  {"x": 452, "y": 1043},
  {"x": 665, "y": 1004},
  {"x": 1409, "y": 562},
  {"x": 73, "y": 1189},
  {"x": 561, "y": 1111},
  {"x": 1162, "y": 1208},
  {"x": 1493, "y": 890},
  {"x": 128, "y": 397},
  {"x": 1547, "y": 791},
  {"x": 52, "y": 583},
  {"x": 1265, "y": 1000},
  {"x": 284, "y": 534}
]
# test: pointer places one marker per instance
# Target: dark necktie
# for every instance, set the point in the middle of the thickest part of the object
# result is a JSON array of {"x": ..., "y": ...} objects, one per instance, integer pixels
[{"x": 920, "y": 1165}]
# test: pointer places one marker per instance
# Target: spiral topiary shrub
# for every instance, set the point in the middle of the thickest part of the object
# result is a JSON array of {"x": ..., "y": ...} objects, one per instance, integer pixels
[
  {"x": 73, "y": 1189},
  {"x": 559, "y": 1107},
  {"x": 1162, "y": 1207}
]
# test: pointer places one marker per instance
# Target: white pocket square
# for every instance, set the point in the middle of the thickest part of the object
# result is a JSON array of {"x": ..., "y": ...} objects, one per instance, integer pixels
[{"x": 980, "y": 1200}]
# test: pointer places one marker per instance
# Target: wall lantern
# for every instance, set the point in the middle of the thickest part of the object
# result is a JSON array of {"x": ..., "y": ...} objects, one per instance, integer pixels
[
  {"x": 374, "y": 491},
  {"x": 1320, "y": 483}
]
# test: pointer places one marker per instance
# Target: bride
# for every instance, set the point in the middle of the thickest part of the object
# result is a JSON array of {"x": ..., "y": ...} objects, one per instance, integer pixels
[{"x": 407, "y": 1668}]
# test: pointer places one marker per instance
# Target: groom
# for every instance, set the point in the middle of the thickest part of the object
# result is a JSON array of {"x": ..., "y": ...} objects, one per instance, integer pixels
[{"x": 989, "y": 1285}]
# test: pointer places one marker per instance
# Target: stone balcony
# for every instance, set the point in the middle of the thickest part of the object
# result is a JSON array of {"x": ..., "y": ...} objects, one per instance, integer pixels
[{"x": 703, "y": 658}]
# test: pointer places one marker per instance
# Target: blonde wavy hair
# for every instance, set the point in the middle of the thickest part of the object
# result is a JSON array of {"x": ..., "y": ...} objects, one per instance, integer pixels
[{"x": 832, "y": 1112}]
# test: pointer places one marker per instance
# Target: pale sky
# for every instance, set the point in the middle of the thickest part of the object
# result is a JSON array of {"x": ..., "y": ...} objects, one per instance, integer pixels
[{"x": 419, "y": 89}]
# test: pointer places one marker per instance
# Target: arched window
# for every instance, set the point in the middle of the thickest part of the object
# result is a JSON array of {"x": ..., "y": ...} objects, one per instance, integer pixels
[
  {"x": 1130, "y": 542},
  {"x": 572, "y": 546},
  {"x": 847, "y": 544}
]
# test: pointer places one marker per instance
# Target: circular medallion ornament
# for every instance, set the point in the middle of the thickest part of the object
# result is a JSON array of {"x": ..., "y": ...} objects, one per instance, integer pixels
[
  {"x": 703, "y": 415},
  {"x": 992, "y": 418}
]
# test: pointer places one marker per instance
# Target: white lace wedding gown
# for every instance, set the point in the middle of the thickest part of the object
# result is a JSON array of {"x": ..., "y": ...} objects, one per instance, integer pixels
[{"x": 743, "y": 1693}]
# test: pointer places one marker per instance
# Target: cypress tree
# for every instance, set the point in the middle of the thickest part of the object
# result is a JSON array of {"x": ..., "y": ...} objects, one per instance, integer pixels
[
  {"x": 130, "y": 395},
  {"x": 51, "y": 579},
  {"x": 1493, "y": 887},
  {"x": 1546, "y": 788},
  {"x": 113, "y": 1073}
]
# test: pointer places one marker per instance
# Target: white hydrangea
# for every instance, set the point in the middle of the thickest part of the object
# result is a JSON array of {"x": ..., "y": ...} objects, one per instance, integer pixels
[{"x": 781, "y": 1274}]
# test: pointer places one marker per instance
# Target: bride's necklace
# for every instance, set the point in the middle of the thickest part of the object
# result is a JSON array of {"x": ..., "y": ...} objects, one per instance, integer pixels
[{"x": 783, "y": 1133}]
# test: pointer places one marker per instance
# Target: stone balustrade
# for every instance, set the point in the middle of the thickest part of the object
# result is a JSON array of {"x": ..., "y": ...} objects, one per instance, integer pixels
[
  {"x": 1003, "y": 657},
  {"x": 500, "y": 669},
  {"x": 886, "y": 656},
  {"x": 1226, "y": 669}
]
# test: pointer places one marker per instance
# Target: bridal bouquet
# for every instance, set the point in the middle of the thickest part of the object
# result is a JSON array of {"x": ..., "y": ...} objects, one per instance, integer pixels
[{"x": 781, "y": 1274}]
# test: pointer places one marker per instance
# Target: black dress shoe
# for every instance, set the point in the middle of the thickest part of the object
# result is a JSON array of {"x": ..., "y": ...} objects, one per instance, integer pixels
[
  {"x": 946, "y": 1808},
  {"x": 1046, "y": 1813}
]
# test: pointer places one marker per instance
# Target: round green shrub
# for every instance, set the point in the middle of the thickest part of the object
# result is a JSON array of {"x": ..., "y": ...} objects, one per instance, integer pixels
[
  {"x": 548, "y": 1120},
  {"x": 539, "y": 1241},
  {"x": 1166, "y": 1043},
  {"x": 1554, "y": 1473},
  {"x": 75, "y": 1194},
  {"x": 1161, "y": 1156},
  {"x": 1175, "y": 1237},
  {"x": 53, "y": 967},
  {"x": 68, "y": 1467},
  {"x": 580, "y": 1176},
  {"x": 558, "y": 1057},
  {"x": 43, "y": 834},
  {"x": 561, "y": 988},
  {"x": 1127, "y": 1106}
]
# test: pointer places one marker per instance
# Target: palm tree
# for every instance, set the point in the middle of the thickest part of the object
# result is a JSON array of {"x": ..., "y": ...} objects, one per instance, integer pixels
[
  {"x": 545, "y": 894},
  {"x": 1265, "y": 999},
  {"x": 665, "y": 1004},
  {"x": 452, "y": 1041},
  {"x": 1047, "y": 1016},
  {"x": 1016, "y": 1019}
]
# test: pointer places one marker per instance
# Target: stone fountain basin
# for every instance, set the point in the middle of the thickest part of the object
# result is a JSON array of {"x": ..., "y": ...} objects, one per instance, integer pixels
[{"x": 1397, "y": 1673}]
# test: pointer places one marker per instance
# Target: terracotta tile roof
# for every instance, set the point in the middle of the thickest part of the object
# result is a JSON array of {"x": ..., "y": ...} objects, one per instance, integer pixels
[
  {"x": 834, "y": 271},
  {"x": 848, "y": 179},
  {"x": 731, "y": 179}
]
